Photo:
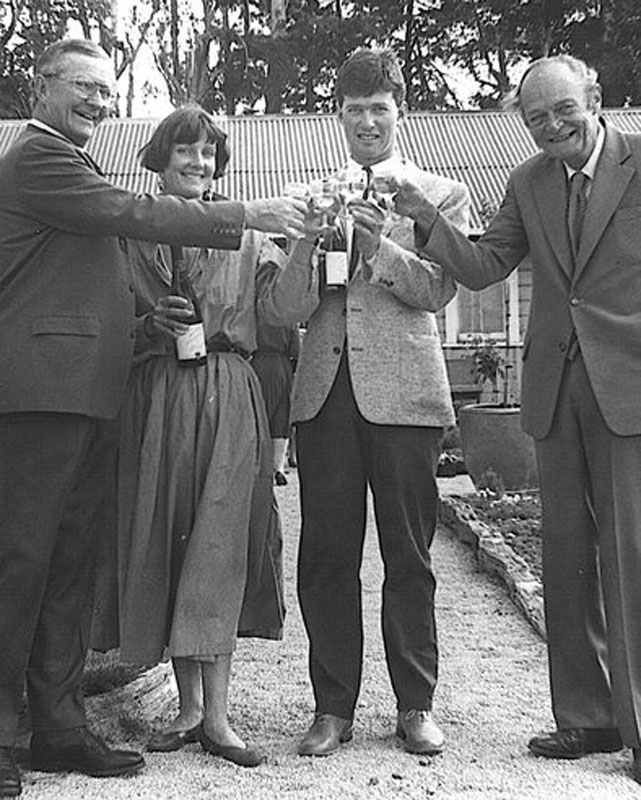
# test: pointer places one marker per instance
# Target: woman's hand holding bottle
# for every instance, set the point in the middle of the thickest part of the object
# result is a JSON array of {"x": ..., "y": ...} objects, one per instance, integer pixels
[{"x": 172, "y": 315}]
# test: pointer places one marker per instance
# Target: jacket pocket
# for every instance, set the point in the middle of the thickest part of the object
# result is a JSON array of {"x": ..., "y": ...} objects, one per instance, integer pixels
[{"x": 61, "y": 325}]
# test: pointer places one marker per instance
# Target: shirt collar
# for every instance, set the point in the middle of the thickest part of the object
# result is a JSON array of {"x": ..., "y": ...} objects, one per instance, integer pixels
[
  {"x": 589, "y": 168},
  {"x": 392, "y": 164}
]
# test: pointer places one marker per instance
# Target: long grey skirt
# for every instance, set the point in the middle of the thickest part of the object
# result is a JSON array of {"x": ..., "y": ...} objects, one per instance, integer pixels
[{"x": 199, "y": 537}]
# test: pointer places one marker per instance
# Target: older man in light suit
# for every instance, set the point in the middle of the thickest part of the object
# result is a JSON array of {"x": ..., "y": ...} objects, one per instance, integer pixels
[
  {"x": 66, "y": 339},
  {"x": 576, "y": 209},
  {"x": 371, "y": 398}
]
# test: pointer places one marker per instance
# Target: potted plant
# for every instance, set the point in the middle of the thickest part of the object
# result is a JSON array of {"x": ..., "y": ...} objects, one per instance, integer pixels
[{"x": 498, "y": 455}]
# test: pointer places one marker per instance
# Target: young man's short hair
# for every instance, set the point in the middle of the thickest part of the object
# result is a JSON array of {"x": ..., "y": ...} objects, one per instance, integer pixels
[{"x": 367, "y": 72}]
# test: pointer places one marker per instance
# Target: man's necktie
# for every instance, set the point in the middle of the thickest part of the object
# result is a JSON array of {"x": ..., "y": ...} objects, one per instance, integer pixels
[
  {"x": 577, "y": 203},
  {"x": 354, "y": 253}
]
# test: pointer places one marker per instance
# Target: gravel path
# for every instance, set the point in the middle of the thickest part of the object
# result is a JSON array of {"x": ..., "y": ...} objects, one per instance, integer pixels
[{"x": 492, "y": 696}]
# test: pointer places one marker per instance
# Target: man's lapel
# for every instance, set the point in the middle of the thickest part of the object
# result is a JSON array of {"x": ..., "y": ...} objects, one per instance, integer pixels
[
  {"x": 550, "y": 195},
  {"x": 613, "y": 174}
]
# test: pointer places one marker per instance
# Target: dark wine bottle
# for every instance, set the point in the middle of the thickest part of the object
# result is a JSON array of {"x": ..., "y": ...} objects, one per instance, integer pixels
[
  {"x": 332, "y": 259},
  {"x": 191, "y": 347}
]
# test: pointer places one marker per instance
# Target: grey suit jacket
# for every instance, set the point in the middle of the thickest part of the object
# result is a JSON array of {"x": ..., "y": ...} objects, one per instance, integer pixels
[
  {"x": 598, "y": 298},
  {"x": 385, "y": 319},
  {"x": 66, "y": 303}
]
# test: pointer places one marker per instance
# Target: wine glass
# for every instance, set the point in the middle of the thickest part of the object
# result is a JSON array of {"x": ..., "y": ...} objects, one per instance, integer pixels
[
  {"x": 351, "y": 186},
  {"x": 297, "y": 190},
  {"x": 383, "y": 191},
  {"x": 324, "y": 193}
]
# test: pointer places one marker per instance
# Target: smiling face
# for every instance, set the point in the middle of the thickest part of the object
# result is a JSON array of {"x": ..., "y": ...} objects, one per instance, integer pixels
[
  {"x": 561, "y": 114},
  {"x": 190, "y": 170},
  {"x": 370, "y": 125},
  {"x": 63, "y": 106}
]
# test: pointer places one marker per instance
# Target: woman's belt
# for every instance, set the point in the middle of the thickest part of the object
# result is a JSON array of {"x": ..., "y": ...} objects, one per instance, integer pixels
[{"x": 215, "y": 344}]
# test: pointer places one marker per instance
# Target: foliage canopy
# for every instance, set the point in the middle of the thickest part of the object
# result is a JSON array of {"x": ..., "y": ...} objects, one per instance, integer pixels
[{"x": 245, "y": 56}]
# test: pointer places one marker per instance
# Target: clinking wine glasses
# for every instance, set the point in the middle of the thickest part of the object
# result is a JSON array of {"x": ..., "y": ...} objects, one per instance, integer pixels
[
  {"x": 324, "y": 195},
  {"x": 383, "y": 191}
]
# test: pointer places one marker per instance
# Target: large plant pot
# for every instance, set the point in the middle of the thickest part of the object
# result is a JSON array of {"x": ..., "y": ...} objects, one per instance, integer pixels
[{"x": 497, "y": 453}]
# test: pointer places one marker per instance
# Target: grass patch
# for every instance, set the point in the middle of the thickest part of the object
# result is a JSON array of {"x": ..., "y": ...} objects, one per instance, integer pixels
[{"x": 105, "y": 672}]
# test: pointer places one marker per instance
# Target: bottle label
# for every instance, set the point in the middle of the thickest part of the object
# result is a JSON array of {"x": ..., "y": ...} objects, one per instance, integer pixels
[
  {"x": 191, "y": 345},
  {"x": 336, "y": 268}
]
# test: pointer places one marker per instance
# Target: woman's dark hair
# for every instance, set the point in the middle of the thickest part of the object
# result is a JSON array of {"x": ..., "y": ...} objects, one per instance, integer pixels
[{"x": 185, "y": 125}]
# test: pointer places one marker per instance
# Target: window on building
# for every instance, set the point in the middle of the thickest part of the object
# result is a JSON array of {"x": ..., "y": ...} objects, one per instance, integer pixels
[{"x": 491, "y": 313}]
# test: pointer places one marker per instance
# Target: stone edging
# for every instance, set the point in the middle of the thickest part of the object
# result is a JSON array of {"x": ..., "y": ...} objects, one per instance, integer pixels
[
  {"x": 120, "y": 712},
  {"x": 496, "y": 557}
]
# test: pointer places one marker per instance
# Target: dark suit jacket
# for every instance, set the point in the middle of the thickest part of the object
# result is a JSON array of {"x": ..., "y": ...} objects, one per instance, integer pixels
[
  {"x": 66, "y": 304},
  {"x": 599, "y": 298}
]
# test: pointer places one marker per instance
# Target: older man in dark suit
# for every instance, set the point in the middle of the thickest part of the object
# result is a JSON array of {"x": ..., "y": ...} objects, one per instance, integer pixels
[
  {"x": 576, "y": 209},
  {"x": 66, "y": 337}
]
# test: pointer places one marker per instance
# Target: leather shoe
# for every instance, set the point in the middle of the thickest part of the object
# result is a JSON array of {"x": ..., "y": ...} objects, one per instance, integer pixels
[
  {"x": 167, "y": 742},
  {"x": 419, "y": 732},
  {"x": 326, "y": 734},
  {"x": 10, "y": 785},
  {"x": 241, "y": 756},
  {"x": 79, "y": 750},
  {"x": 636, "y": 764},
  {"x": 576, "y": 742}
]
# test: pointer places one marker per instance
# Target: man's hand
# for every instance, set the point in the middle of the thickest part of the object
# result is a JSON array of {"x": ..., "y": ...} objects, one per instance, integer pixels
[
  {"x": 171, "y": 314},
  {"x": 368, "y": 225},
  {"x": 284, "y": 215},
  {"x": 410, "y": 201},
  {"x": 315, "y": 223}
]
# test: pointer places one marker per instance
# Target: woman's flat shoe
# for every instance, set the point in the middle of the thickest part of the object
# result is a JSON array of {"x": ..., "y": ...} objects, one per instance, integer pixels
[
  {"x": 242, "y": 756},
  {"x": 173, "y": 740}
]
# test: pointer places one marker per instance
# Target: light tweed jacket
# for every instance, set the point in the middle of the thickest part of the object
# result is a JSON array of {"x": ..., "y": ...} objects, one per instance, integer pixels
[{"x": 386, "y": 321}]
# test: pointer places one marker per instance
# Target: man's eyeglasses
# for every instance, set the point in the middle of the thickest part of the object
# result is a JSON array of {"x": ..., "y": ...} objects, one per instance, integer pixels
[{"x": 86, "y": 89}]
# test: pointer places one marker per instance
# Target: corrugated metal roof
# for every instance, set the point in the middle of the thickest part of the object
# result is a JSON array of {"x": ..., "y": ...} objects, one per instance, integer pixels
[{"x": 479, "y": 148}]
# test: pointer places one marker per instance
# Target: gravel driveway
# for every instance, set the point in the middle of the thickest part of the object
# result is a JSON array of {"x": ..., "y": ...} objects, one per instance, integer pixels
[{"x": 492, "y": 696}]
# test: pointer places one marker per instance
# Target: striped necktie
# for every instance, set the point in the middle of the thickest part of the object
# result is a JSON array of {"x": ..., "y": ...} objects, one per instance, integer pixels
[{"x": 577, "y": 203}]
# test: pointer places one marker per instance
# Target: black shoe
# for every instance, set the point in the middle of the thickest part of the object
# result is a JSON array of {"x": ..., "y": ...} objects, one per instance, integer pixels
[
  {"x": 10, "y": 785},
  {"x": 326, "y": 734},
  {"x": 79, "y": 750},
  {"x": 576, "y": 742},
  {"x": 241, "y": 756},
  {"x": 162, "y": 742}
]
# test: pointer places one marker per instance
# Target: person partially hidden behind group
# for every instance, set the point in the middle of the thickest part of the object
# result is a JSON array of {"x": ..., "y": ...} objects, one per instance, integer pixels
[
  {"x": 274, "y": 362},
  {"x": 199, "y": 540}
]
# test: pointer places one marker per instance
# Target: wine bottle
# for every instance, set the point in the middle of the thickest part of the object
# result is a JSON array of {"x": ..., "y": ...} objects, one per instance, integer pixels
[
  {"x": 332, "y": 258},
  {"x": 191, "y": 347}
]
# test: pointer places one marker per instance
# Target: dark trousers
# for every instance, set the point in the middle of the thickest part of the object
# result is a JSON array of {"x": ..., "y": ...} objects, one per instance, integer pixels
[
  {"x": 340, "y": 454},
  {"x": 52, "y": 478},
  {"x": 590, "y": 491}
]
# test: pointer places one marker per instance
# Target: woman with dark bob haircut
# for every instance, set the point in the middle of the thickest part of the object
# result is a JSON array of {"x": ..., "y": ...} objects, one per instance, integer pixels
[{"x": 198, "y": 530}]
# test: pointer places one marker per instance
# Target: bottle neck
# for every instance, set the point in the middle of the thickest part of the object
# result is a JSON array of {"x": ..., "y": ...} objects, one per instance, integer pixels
[
  {"x": 334, "y": 239},
  {"x": 181, "y": 285}
]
